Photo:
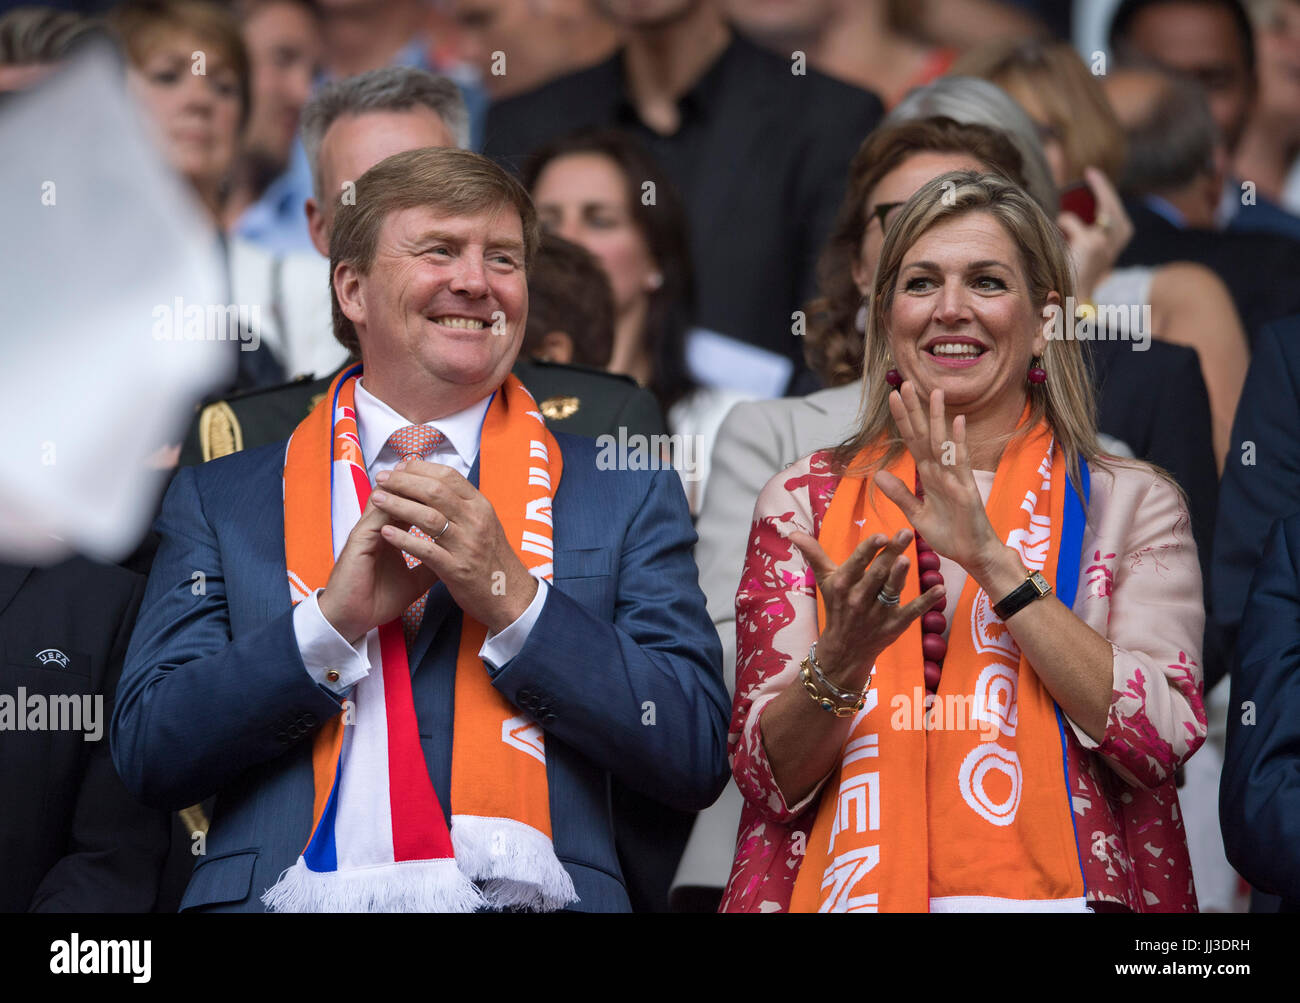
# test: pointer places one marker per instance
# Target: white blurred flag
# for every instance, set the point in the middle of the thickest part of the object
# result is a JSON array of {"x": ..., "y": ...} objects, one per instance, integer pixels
[{"x": 98, "y": 239}]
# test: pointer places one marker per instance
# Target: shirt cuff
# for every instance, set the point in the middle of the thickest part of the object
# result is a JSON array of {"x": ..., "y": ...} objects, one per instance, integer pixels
[
  {"x": 328, "y": 657},
  {"x": 498, "y": 649}
]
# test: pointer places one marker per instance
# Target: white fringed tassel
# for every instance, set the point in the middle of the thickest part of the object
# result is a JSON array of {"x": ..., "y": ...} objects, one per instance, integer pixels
[
  {"x": 406, "y": 886},
  {"x": 514, "y": 863}
]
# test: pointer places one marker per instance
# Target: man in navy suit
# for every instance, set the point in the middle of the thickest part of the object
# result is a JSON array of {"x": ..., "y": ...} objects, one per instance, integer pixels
[
  {"x": 1259, "y": 798},
  {"x": 225, "y": 684},
  {"x": 1261, "y": 478}
]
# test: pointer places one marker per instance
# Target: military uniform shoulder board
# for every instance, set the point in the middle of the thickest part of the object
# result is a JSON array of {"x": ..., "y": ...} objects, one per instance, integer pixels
[
  {"x": 559, "y": 408},
  {"x": 219, "y": 431}
]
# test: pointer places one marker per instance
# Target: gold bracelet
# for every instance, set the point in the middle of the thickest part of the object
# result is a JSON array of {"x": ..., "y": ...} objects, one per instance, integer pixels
[
  {"x": 828, "y": 704},
  {"x": 841, "y": 694}
]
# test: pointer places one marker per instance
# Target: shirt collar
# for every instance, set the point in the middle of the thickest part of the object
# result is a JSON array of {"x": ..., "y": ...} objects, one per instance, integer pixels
[
  {"x": 1165, "y": 209},
  {"x": 277, "y": 206},
  {"x": 699, "y": 99},
  {"x": 376, "y": 422},
  {"x": 1229, "y": 203}
]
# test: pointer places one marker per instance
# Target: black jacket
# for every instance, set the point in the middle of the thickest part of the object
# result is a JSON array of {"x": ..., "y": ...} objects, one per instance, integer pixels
[
  {"x": 71, "y": 837},
  {"x": 1259, "y": 269},
  {"x": 1261, "y": 478},
  {"x": 1259, "y": 795}
]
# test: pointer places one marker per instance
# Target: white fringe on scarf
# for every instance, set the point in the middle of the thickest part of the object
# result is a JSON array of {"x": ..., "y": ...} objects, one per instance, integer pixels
[
  {"x": 405, "y": 886},
  {"x": 514, "y": 863}
]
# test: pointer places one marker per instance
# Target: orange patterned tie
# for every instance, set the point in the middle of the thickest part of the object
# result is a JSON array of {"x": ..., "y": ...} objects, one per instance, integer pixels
[{"x": 415, "y": 442}]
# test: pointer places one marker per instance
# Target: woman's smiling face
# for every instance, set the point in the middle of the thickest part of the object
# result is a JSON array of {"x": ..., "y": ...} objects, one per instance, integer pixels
[{"x": 963, "y": 318}]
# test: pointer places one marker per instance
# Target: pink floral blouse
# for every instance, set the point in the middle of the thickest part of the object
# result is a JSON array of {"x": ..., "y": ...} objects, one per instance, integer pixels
[{"x": 1140, "y": 588}]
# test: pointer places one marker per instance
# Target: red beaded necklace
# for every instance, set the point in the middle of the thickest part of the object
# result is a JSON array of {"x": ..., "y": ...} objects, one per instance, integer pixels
[{"x": 933, "y": 644}]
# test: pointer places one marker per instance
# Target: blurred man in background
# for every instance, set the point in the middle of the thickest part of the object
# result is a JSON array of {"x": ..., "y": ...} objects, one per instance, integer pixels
[
  {"x": 521, "y": 44},
  {"x": 757, "y": 144},
  {"x": 1211, "y": 42}
]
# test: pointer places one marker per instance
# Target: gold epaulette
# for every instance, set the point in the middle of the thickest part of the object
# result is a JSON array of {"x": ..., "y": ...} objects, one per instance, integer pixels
[{"x": 219, "y": 431}]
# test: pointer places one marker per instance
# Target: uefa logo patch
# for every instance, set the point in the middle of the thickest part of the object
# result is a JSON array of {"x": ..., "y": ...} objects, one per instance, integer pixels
[{"x": 52, "y": 657}]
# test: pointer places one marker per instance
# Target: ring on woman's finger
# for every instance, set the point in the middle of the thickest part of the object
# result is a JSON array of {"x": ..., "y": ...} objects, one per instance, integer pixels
[
  {"x": 441, "y": 531},
  {"x": 887, "y": 597}
]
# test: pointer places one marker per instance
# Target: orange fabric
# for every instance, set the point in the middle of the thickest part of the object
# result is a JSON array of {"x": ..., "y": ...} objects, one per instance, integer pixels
[
  {"x": 309, "y": 553},
  {"x": 520, "y": 465},
  {"x": 491, "y": 776},
  {"x": 914, "y": 814}
]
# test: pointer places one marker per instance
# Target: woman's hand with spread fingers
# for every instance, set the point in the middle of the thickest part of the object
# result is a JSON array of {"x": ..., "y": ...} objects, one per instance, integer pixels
[{"x": 950, "y": 514}]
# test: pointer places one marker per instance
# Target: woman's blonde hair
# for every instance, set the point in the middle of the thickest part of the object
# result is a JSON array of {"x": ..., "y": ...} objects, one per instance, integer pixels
[
  {"x": 1065, "y": 400},
  {"x": 1054, "y": 76}
]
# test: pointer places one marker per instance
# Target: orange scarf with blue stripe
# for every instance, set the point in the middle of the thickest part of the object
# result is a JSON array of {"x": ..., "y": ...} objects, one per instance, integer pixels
[
  {"x": 972, "y": 811},
  {"x": 379, "y": 840}
]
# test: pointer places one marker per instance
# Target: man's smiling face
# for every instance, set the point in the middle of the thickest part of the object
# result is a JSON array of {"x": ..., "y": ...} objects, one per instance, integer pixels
[{"x": 441, "y": 313}]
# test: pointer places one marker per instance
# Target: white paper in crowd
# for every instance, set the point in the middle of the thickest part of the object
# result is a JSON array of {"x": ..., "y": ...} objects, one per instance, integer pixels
[
  {"x": 100, "y": 242},
  {"x": 716, "y": 360}
]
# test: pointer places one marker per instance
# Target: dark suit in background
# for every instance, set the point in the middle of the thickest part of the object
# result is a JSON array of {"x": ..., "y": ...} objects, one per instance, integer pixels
[
  {"x": 1261, "y": 270},
  {"x": 760, "y": 158},
  {"x": 71, "y": 838},
  {"x": 1156, "y": 402},
  {"x": 1261, "y": 478},
  {"x": 1259, "y": 798}
]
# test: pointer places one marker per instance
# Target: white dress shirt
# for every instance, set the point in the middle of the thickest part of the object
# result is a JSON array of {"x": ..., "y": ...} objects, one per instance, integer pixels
[{"x": 323, "y": 648}]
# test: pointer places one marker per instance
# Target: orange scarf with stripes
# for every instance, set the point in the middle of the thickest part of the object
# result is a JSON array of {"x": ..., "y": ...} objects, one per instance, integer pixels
[
  {"x": 971, "y": 810},
  {"x": 379, "y": 838}
]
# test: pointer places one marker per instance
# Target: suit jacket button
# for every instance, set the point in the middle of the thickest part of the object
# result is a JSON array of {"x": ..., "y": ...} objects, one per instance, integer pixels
[
  {"x": 547, "y": 717},
  {"x": 309, "y": 719},
  {"x": 282, "y": 738}
]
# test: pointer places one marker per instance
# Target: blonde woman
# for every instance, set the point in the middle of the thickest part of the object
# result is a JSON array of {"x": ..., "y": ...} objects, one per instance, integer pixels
[{"x": 968, "y": 640}]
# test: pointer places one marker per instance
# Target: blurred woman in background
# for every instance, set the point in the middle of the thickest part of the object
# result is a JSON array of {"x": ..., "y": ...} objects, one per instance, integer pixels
[
  {"x": 600, "y": 189},
  {"x": 188, "y": 68}
]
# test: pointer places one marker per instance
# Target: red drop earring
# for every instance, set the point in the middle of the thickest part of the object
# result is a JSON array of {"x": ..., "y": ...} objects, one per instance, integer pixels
[
  {"x": 1037, "y": 374},
  {"x": 894, "y": 378}
]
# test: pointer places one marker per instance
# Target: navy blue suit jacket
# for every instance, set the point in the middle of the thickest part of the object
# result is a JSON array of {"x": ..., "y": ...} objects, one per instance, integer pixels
[
  {"x": 214, "y": 697},
  {"x": 1259, "y": 795},
  {"x": 1261, "y": 478}
]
